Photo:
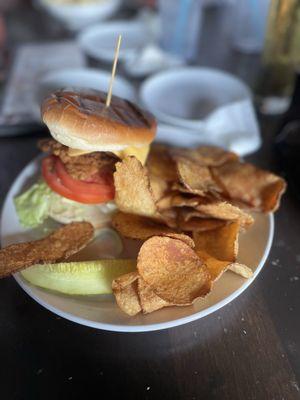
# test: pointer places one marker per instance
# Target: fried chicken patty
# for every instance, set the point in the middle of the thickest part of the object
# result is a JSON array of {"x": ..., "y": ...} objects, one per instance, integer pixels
[{"x": 82, "y": 167}]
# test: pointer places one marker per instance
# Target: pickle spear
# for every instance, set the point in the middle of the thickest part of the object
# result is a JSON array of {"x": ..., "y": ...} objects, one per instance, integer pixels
[{"x": 80, "y": 278}]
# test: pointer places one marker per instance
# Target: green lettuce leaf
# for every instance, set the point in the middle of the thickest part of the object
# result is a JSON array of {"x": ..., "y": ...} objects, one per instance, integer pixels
[
  {"x": 40, "y": 202},
  {"x": 32, "y": 206}
]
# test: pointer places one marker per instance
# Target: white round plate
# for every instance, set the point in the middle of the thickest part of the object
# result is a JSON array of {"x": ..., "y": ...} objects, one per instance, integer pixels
[
  {"x": 78, "y": 16},
  {"x": 99, "y": 41},
  {"x": 90, "y": 78},
  {"x": 102, "y": 312}
]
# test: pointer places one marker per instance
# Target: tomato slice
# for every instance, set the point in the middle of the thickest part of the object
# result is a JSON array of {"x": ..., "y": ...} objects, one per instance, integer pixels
[
  {"x": 102, "y": 186},
  {"x": 79, "y": 194}
]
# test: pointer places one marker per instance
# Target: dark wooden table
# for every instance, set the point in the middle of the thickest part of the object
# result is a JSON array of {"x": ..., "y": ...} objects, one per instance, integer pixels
[{"x": 249, "y": 349}]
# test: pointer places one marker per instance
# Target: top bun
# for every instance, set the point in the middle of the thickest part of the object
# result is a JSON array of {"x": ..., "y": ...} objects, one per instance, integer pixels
[{"x": 80, "y": 120}]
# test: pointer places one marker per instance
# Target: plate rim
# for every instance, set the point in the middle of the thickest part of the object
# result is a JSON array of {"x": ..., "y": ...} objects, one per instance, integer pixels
[{"x": 140, "y": 328}]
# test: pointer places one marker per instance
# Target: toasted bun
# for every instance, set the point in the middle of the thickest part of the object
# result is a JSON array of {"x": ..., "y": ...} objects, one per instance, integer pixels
[{"x": 80, "y": 120}]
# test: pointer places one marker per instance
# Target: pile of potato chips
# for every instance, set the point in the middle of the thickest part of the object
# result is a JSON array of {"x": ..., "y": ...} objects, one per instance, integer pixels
[{"x": 189, "y": 207}]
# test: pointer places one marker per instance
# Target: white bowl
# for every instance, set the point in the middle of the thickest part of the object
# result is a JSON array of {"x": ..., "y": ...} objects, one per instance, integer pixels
[
  {"x": 186, "y": 96},
  {"x": 78, "y": 16},
  {"x": 99, "y": 41},
  {"x": 102, "y": 312},
  {"x": 83, "y": 78}
]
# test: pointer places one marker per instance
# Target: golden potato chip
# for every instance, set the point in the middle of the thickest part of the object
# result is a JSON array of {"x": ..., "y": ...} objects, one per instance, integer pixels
[
  {"x": 228, "y": 212},
  {"x": 179, "y": 187},
  {"x": 148, "y": 299},
  {"x": 125, "y": 289},
  {"x": 199, "y": 224},
  {"x": 199, "y": 207},
  {"x": 177, "y": 199},
  {"x": 173, "y": 270},
  {"x": 133, "y": 191},
  {"x": 56, "y": 247},
  {"x": 216, "y": 267},
  {"x": 220, "y": 243},
  {"x": 187, "y": 213},
  {"x": 169, "y": 217},
  {"x": 165, "y": 203},
  {"x": 137, "y": 227},
  {"x": 196, "y": 178},
  {"x": 160, "y": 163},
  {"x": 209, "y": 156},
  {"x": 180, "y": 200},
  {"x": 248, "y": 184},
  {"x": 241, "y": 269},
  {"x": 160, "y": 188},
  {"x": 142, "y": 228},
  {"x": 180, "y": 236}
]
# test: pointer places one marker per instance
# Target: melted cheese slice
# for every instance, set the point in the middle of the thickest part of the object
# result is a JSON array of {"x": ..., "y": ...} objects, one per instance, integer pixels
[{"x": 140, "y": 153}]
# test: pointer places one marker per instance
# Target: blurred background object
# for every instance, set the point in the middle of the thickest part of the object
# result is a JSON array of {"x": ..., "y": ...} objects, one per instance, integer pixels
[
  {"x": 90, "y": 78},
  {"x": 180, "y": 27},
  {"x": 77, "y": 14},
  {"x": 281, "y": 56},
  {"x": 98, "y": 41},
  {"x": 31, "y": 64},
  {"x": 287, "y": 140},
  {"x": 213, "y": 105},
  {"x": 162, "y": 35},
  {"x": 250, "y": 18}
]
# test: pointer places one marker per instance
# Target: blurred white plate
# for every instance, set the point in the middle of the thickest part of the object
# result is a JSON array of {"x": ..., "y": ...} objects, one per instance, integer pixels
[
  {"x": 99, "y": 41},
  {"x": 78, "y": 16},
  {"x": 102, "y": 312},
  {"x": 210, "y": 103},
  {"x": 83, "y": 78},
  {"x": 186, "y": 96}
]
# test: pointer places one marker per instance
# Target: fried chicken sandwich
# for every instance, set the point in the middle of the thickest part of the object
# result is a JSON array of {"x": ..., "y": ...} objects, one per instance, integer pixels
[{"x": 76, "y": 181}]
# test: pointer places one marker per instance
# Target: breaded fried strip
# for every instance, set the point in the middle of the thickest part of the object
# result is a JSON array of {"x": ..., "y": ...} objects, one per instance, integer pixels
[
  {"x": 56, "y": 247},
  {"x": 80, "y": 167}
]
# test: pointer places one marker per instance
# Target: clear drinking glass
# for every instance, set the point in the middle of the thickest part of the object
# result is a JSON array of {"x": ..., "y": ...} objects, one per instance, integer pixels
[
  {"x": 180, "y": 27},
  {"x": 281, "y": 56},
  {"x": 249, "y": 24}
]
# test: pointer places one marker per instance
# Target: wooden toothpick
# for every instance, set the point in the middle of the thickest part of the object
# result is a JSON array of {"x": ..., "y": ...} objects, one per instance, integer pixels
[{"x": 113, "y": 72}]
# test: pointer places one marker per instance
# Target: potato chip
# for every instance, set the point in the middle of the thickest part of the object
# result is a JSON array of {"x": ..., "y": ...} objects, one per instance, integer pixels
[
  {"x": 165, "y": 203},
  {"x": 207, "y": 207},
  {"x": 180, "y": 236},
  {"x": 241, "y": 269},
  {"x": 196, "y": 178},
  {"x": 160, "y": 163},
  {"x": 187, "y": 213},
  {"x": 199, "y": 224},
  {"x": 160, "y": 188},
  {"x": 209, "y": 156},
  {"x": 137, "y": 227},
  {"x": 148, "y": 299},
  {"x": 216, "y": 267},
  {"x": 169, "y": 217},
  {"x": 133, "y": 191},
  {"x": 180, "y": 200},
  {"x": 248, "y": 184},
  {"x": 56, "y": 247},
  {"x": 173, "y": 270},
  {"x": 142, "y": 228},
  {"x": 178, "y": 187},
  {"x": 228, "y": 212},
  {"x": 125, "y": 289},
  {"x": 220, "y": 243}
]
